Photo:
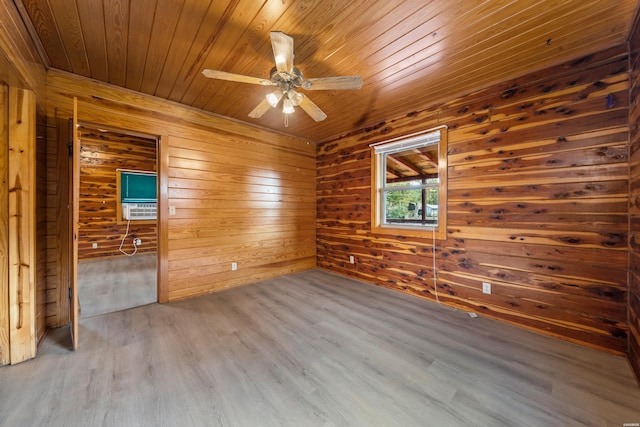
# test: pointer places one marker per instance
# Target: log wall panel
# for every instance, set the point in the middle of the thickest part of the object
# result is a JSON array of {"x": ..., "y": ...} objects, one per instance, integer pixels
[
  {"x": 538, "y": 204},
  {"x": 634, "y": 196},
  {"x": 242, "y": 194},
  {"x": 101, "y": 153}
]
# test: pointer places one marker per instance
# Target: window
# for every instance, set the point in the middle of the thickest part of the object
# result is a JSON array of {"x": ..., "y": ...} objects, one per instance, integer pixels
[{"x": 410, "y": 176}]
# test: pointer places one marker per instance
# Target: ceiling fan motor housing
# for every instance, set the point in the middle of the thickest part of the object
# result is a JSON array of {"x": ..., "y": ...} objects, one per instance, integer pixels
[{"x": 287, "y": 81}]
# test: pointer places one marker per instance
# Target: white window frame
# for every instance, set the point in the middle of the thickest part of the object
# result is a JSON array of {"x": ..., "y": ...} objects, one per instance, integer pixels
[{"x": 435, "y": 136}]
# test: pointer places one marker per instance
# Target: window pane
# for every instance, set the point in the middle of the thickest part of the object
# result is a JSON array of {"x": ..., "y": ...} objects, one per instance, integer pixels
[
  {"x": 403, "y": 206},
  {"x": 432, "y": 204},
  {"x": 412, "y": 165}
]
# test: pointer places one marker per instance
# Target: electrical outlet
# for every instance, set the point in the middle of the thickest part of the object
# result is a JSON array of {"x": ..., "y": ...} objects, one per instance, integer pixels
[
  {"x": 94, "y": 245},
  {"x": 486, "y": 288},
  {"x": 172, "y": 210},
  {"x": 352, "y": 260},
  {"x": 137, "y": 242},
  {"x": 234, "y": 266}
]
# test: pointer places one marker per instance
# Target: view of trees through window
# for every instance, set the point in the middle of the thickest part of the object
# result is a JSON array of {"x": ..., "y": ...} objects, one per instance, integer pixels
[{"x": 405, "y": 202}]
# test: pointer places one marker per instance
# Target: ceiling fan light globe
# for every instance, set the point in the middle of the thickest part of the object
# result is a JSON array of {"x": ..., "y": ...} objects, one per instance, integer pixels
[
  {"x": 295, "y": 97},
  {"x": 287, "y": 107},
  {"x": 274, "y": 98}
]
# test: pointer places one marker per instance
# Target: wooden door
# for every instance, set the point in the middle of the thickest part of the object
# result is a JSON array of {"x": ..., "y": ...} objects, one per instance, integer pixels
[{"x": 74, "y": 215}]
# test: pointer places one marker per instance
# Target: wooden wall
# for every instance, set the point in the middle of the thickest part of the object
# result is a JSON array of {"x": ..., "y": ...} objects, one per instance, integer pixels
[
  {"x": 634, "y": 207},
  {"x": 538, "y": 196},
  {"x": 242, "y": 194},
  {"x": 22, "y": 73},
  {"x": 58, "y": 234},
  {"x": 5, "y": 356},
  {"x": 101, "y": 153}
]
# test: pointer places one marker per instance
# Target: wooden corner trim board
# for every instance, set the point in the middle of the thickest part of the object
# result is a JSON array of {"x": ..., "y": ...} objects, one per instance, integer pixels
[{"x": 20, "y": 228}]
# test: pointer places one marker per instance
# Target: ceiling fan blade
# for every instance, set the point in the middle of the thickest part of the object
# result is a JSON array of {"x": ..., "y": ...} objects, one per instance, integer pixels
[
  {"x": 333, "y": 83},
  {"x": 223, "y": 75},
  {"x": 262, "y": 108},
  {"x": 312, "y": 109},
  {"x": 282, "y": 46}
]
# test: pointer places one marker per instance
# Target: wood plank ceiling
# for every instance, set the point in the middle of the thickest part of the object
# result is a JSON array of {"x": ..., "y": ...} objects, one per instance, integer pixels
[{"x": 410, "y": 54}]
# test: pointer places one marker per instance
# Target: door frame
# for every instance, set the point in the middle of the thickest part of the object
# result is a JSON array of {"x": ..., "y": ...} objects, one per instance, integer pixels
[{"x": 161, "y": 220}]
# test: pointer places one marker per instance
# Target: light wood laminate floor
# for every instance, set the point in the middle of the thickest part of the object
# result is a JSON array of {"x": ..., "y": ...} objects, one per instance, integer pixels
[
  {"x": 110, "y": 284},
  {"x": 313, "y": 349}
]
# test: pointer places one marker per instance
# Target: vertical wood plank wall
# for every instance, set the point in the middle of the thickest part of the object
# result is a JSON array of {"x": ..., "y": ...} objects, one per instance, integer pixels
[
  {"x": 21, "y": 68},
  {"x": 22, "y": 226},
  {"x": 538, "y": 196},
  {"x": 5, "y": 356},
  {"x": 242, "y": 194},
  {"x": 634, "y": 205},
  {"x": 100, "y": 155}
]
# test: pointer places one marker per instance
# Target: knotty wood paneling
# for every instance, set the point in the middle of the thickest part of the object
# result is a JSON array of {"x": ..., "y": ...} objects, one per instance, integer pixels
[
  {"x": 23, "y": 305},
  {"x": 101, "y": 153},
  {"x": 5, "y": 356},
  {"x": 242, "y": 194},
  {"x": 22, "y": 225},
  {"x": 634, "y": 195},
  {"x": 538, "y": 196}
]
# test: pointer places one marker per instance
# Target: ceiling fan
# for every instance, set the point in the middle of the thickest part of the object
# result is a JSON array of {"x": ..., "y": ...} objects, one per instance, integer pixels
[{"x": 287, "y": 79}]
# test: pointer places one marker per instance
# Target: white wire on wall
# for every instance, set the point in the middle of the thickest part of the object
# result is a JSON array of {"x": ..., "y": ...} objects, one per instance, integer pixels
[{"x": 135, "y": 246}]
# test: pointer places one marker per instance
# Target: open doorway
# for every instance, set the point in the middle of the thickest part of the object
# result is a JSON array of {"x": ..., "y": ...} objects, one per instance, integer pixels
[{"x": 117, "y": 231}]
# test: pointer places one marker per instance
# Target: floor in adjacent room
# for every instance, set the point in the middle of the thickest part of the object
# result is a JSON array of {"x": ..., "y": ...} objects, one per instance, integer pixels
[
  {"x": 111, "y": 284},
  {"x": 313, "y": 349}
]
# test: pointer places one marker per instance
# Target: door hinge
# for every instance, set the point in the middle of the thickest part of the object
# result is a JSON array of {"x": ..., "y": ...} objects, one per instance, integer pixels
[{"x": 70, "y": 293}]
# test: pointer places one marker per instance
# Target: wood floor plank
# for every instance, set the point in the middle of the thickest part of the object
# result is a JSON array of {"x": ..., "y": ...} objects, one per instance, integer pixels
[{"x": 313, "y": 349}]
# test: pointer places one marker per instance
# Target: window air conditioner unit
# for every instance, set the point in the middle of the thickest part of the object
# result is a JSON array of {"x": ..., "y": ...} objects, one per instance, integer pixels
[{"x": 139, "y": 211}]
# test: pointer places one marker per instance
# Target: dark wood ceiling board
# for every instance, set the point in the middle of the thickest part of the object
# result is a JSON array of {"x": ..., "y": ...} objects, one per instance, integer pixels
[
  {"x": 225, "y": 43},
  {"x": 458, "y": 53},
  {"x": 350, "y": 32},
  {"x": 192, "y": 19},
  {"x": 91, "y": 16},
  {"x": 116, "y": 14},
  {"x": 32, "y": 51},
  {"x": 65, "y": 13},
  {"x": 44, "y": 23},
  {"x": 164, "y": 30},
  {"x": 141, "y": 24},
  {"x": 414, "y": 31},
  {"x": 202, "y": 43}
]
